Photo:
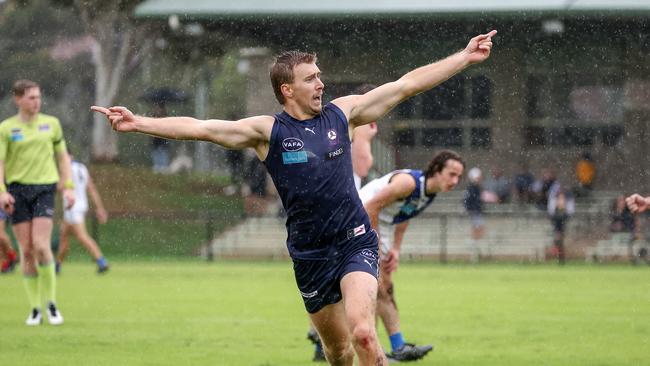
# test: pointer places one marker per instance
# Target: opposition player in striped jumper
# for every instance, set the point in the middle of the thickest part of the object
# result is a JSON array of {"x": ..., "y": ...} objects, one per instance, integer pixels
[
  {"x": 306, "y": 150},
  {"x": 74, "y": 218},
  {"x": 391, "y": 201}
]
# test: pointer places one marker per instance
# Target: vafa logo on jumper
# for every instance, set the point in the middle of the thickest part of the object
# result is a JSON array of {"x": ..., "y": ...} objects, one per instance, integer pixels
[{"x": 292, "y": 144}]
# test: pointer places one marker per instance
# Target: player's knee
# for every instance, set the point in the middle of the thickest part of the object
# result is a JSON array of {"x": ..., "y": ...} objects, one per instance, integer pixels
[
  {"x": 27, "y": 258},
  {"x": 364, "y": 335},
  {"x": 41, "y": 249},
  {"x": 338, "y": 353},
  {"x": 27, "y": 252},
  {"x": 385, "y": 292}
]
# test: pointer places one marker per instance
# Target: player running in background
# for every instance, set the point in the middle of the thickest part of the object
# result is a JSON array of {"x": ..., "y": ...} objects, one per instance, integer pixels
[
  {"x": 74, "y": 218},
  {"x": 306, "y": 150},
  {"x": 391, "y": 201},
  {"x": 29, "y": 142}
]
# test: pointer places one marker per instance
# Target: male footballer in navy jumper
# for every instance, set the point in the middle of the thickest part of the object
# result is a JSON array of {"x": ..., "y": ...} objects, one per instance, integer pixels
[{"x": 306, "y": 150}]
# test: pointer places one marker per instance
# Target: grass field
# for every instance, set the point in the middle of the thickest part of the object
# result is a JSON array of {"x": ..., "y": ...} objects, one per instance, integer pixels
[{"x": 240, "y": 313}]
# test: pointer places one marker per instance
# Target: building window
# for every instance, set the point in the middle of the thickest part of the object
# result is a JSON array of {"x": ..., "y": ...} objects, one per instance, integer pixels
[
  {"x": 481, "y": 106},
  {"x": 442, "y": 137},
  {"x": 404, "y": 137},
  {"x": 446, "y": 101},
  {"x": 593, "y": 98},
  {"x": 481, "y": 137},
  {"x": 537, "y": 136},
  {"x": 406, "y": 109},
  {"x": 611, "y": 134},
  {"x": 460, "y": 97},
  {"x": 534, "y": 98}
]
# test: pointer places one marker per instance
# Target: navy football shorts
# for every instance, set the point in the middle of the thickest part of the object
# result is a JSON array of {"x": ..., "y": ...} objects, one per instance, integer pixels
[{"x": 319, "y": 279}]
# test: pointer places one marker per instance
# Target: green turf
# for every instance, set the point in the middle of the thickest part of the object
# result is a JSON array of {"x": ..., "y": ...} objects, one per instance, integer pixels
[{"x": 194, "y": 313}]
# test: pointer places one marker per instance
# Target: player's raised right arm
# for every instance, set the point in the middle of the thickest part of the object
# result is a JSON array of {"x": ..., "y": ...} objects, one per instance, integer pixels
[{"x": 247, "y": 132}]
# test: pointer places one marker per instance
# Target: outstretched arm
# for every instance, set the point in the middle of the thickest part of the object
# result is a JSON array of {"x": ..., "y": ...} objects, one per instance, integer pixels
[
  {"x": 247, "y": 132},
  {"x": 363, "y": 109}
]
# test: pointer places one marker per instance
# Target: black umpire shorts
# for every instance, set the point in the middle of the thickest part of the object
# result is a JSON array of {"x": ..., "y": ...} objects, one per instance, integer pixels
[{"x": 32, "y": 200}]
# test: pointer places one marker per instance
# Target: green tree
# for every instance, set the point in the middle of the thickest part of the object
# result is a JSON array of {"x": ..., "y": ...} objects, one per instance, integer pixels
[{"x": 119, "y": 45}]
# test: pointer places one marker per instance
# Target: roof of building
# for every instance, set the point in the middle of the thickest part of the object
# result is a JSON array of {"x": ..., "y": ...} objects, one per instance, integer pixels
[{"x": 383, "y": 8}]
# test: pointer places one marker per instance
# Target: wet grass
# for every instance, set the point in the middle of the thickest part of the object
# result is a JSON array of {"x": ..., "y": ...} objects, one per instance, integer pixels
[{"x": 243, "y": 313}]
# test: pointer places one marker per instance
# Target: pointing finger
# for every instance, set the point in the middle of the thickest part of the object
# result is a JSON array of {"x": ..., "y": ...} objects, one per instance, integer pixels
[
  {"x": 482, "y": 37},
  {"x": 118, "y": 109},
  {"x": 99, "y": 109}
]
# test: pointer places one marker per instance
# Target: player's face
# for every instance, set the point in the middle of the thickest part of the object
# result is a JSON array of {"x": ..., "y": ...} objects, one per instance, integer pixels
[
  {"x": 307, "y": 87},
  {"x": 30, "y": 102},
  {"x": 450, "y": 175}
]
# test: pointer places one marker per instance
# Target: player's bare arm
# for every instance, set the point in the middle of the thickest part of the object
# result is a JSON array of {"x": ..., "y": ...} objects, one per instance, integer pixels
[
  {"x": 252, "y": 132},
  {"x": 100, "y": 211},
  {"x": 391, "y": 259},
  {"x": 361, "y": 149},
  {"x": 401, "y": 185},
  {"x": 363, "y": 109}
]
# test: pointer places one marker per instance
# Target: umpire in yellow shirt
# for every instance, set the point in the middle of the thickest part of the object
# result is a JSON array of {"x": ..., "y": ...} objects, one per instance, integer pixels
[{"x": 29, "y": 141}]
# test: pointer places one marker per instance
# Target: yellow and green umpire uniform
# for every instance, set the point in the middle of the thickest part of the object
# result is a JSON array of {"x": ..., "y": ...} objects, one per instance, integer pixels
[
  {"x": 27, "y": 150},
  {"x": 31, "y": 174}
]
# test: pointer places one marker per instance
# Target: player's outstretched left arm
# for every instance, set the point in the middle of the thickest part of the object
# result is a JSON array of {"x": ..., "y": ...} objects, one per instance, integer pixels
[
  {"x": 247, "y": 132},
  {"x": 363, "y": 109}
]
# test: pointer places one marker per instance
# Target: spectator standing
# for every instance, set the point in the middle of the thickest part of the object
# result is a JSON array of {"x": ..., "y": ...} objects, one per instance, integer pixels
[
  {"x": 474, "y": 207},
  {"x": 543, "y": 187},
  {"x": 561, "y": 207},
  {"x": 499, "y": 185},
  {"x": 585, "y": 173},
  {"x": 524, "y": 181}
]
